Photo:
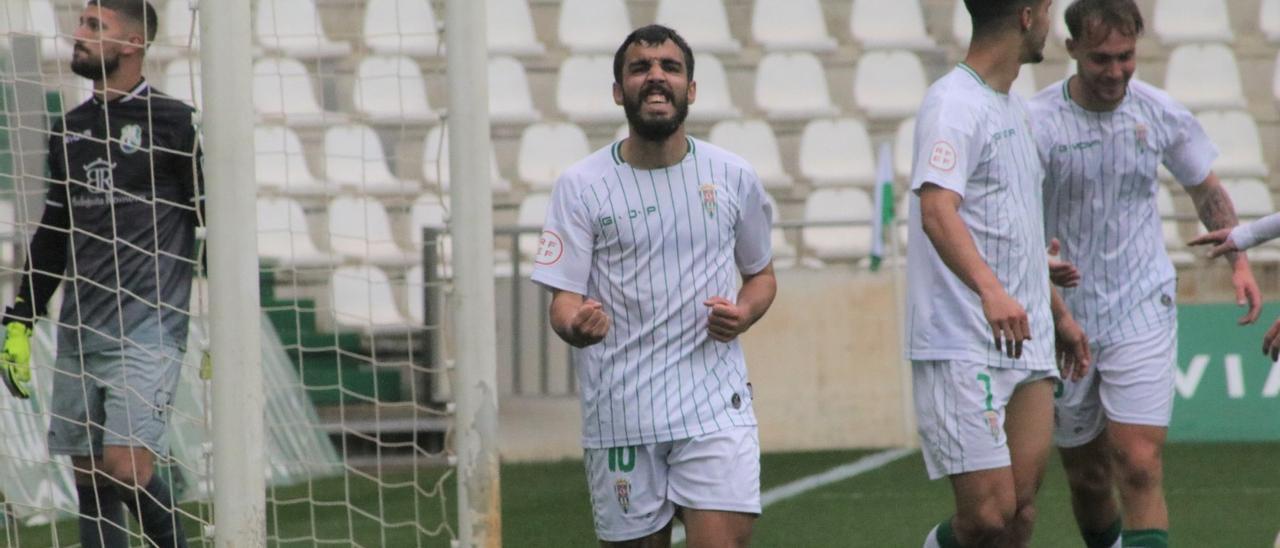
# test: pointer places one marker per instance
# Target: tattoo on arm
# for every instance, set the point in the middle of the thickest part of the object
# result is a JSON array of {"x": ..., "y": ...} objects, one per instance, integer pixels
[{"x": 1216, "y": 211}]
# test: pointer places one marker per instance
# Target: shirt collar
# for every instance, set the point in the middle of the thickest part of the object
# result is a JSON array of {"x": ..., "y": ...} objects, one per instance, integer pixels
[{"x": 140, "y": 91}]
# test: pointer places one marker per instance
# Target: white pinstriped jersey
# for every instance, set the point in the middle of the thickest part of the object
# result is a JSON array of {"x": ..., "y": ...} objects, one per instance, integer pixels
[
  {"x": 652, "y": 246},
  {"x": 977, "y": 142},
  {"x": 1100, "y": 201}
]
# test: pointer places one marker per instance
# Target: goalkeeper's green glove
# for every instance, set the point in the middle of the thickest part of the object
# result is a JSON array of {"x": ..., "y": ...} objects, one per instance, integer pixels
[{"x": 16, "y": 359}]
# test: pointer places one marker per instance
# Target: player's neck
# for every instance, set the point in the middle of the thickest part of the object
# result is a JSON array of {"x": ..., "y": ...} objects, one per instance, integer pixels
[
  {"x": 996, "y": 60},
  {"x": 1087, "y": 100},
  {"x": 118, "y": 84},
  {"x": 645, "y": 154}
]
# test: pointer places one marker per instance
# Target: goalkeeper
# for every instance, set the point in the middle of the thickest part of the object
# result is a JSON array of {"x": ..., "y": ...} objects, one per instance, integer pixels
[{"x": 119, "y": 228}]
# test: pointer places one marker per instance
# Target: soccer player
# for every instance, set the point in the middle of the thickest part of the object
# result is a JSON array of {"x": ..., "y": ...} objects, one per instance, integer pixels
[
  {"x": 643, "y": 249},
  {"x": 1101, "y": 136},
  {"x": 1239, "y": 238},
  {"x": 119, "y": 226},
  {"x": 982, "y": 316}
]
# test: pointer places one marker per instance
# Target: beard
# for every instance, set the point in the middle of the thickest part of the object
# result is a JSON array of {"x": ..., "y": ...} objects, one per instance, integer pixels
[
  {"x": 94, "y": 68},
  {"x": 660, "y": 128},
  {"x": 1035, "y": 50}
]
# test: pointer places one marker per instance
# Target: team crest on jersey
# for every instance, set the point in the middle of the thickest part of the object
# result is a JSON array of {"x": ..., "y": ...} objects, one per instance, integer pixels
[
  {"x": 98, "y": 175},
  {"x": 1140, "y": 134},
  {"x": 130, "y": 138},
  {"x": 623, "y": 488},
  {"x": 550, "y": 248},
  {"x": 709, "y": 199}
]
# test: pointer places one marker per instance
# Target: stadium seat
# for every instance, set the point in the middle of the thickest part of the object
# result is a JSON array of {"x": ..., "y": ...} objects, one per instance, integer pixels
[
  {"x": 889, "y": 24},
  {"x": 889, "y": 84},
  {"x": 711, "y": 32},
  {"x": 282, "y": 163},
  {"x": 1204, "y": 76},
  {"x": 836, "y": 152},
  {"x": 838, "y": 243},
  {"x": 391, "y": 90},
  {"x": 1181, "y": 21},
  {"x": 42, "y": 21},
  {"x": 532, "y": 214},
  {"x": 360, "y": 231},
  {"x": 784, "y": 254},
  {"x": 793, "y": 86},
  {"x": 593, "y": 26},
  {"x": 903, "y": 142},
  {"x": 402, "y": 27},
  {"x": 363, "y": 301},
  {"x": 509, "y": 98},
  {"x": 1173, "y": 241},
  {"x": 283, "y": 236},
  {"x": 282, "y": 92},
  {"x": 1236, "y": 134},
  {"x": 546, "y": 150},
  {"x": 584, "y": 89},
  {"x": 510, "y": 29},
  {"x": 354, "y": 160},
  {"x": 753, "y": 139},
  {"x": 790, "y": 25},
  {"x": 1252, "y": 200},
  {"x": 1269, "y": 19},
  {"x": 714, "y": 102},
  {"x": 435, "y": 162},
  {"x": 293, "y": 28},
  {"x": 177, "y": 27},
  {"x": 182, "y": 81}
]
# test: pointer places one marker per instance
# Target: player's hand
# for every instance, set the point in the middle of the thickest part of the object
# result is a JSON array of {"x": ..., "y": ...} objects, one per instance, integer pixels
[
  {"x": 1072, "y": 349},
  {"x": 726, "y": 320},
  {"x": 1221, "y": 241},
  {"x": 1247, "y": 292},
  {"x": 589, "y": 325},
  {"x": 15, "y": 358},
  {"x": 1008, "y": 321},
  {"x": 1061, "y": 273},
  {"x": 1271, "y": 341}
]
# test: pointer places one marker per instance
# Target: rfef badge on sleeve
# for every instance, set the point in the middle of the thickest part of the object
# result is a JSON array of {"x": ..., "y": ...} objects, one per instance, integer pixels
[{"x": 709, "y": 199}]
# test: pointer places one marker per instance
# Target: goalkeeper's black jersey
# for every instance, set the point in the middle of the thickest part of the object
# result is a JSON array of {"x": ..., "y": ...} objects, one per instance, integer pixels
[{"x": 125, "y": 186}]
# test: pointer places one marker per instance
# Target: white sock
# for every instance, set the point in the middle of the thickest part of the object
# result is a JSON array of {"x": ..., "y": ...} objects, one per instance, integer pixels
[
  {"x": 1118, "y": 543},
  {"x": 931, "y": 541}
]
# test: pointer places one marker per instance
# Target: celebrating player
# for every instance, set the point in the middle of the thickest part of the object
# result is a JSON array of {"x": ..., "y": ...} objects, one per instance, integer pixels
[
  {"x": 981, "y": 312},
  {"x": 1101, "y": 135},
  {"x": 119, "y": 225},
  {"x": 643, "y": 246}
]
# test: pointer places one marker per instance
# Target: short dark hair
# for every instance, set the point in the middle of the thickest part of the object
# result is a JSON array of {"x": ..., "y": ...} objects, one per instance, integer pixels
[
  {"x": 988, "y": 14},
  {"x": 1122, "y": 16},
  {"x": 140, "y": 11},
  {"x": 652, "y": 35}
]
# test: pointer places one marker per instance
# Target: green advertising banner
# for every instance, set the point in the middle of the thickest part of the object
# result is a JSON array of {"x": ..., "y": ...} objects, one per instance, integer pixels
[{"x": 1226, "y": 389}]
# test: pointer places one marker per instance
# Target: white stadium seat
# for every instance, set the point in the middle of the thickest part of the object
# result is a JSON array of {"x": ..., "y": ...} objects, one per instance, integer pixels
[
  {"x": 176, "y": 28},
  {"x": 1181, "y": 21},
  {"x": 838, "y": 243},
  {"x": 282, "y": 91},
  {"x": 509, "y": 99},
  {"x": 889, "y": 24},
  {"x": 1204, "y": 76},
  {"x": 836, "y": 152},
  {"x": 435, "y": 162},
  {"x": 593, "y": 26},
  {"x": 710, "y": 33},
  {"x": 753, "y": 139},
  {"x": 713, "y": 102},
  {"x": 584, "y": 89},
  {"x": 510, "y": 29},
  {"x": 283, "y": 236},
  {"x": 793, "y": 86},
  {"x": 889, "y": 84},
  {"x": 1236, "y": 134},
  {"x": 360, "y": 231},
  {"x": 391, "y": 90},
  {"x": 546, "y": 150},
  {"x": 789, "y": 25},
  {"x": 293, "y": 28},
  {"x": 1269, "y": 19},
  {"x": 1173, "y": 242},
  {"x": 784, "y": 254},
  {"x": 281, "y": 163},
  {"x": 354, "y": 160},
  {"x": 43, "y": 22},
  {"x": 363, "y": 300},
  {"x": 401, "y": 27},
  {"x": 532, "y": 213}
]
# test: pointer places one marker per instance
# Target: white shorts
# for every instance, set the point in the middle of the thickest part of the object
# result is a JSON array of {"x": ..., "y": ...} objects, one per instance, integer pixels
[
  {"x": 635, "y": 490},
  {"x": 960, "y": 412},
  {"x": 1130, "y": 382}
]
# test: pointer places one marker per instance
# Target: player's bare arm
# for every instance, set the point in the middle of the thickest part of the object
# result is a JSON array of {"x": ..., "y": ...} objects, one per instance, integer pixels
[
  {"x": 940, "y": 218},
  {"x": 1216, "y": 211},
  {"x": 728, "y": 320},
  {"x": 1071, "y": 341},
  {"x": 578, "y": 320}
]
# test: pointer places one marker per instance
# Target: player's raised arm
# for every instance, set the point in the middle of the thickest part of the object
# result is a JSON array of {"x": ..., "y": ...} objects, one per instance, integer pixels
[
  {"x": 940, "y": 218},
  {"x": 1216, "y": 211}
]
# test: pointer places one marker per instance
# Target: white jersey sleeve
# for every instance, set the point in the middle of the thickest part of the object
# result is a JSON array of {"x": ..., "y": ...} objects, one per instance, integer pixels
[
  {"x": 753, "y": 248},
  {"x": 948, "y": 149},
  {"x": 1190, "y": 154},
  {"x": 1247, "y": 235},
  {"x": 564, "y": 249}
]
